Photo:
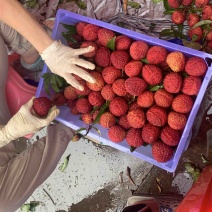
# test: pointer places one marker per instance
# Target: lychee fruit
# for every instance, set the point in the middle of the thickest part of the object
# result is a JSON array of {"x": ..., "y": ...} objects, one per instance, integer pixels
[
  {"x": 72, "y": 105},
  {"x": 107, "y": 120},
  {"x": 59, "y": 99},
  {"x": 116, "y": 133},
  {"x": 80, "y": 27},
  {"x": 150, "y": 133},
  {"x": 195, "y": 34},
  {"x": 178, "y": 17},
  {"x": 192, "y": 19},
  {"x": 110, "y": 74},
  {"x": 118, "y": 106},
  {"x": 135, "y": 85},
  {"x": 136, "y": 118},
  {"x": 133, "y": 68},
  {"x": 134, "y": 138},
  {"x": 146, "y": 99},
  {"x": 107, "y": 92},
  {"x": 105, "y": 35},
  {"x": 87, "y": 44},
  {"x": 207, "y": 12},
  {"x": 102, "y": 56},
  {"x": 191, "y": 85},
  {"x": 209, "y": 36},
  {"x": 134, "y": 106},
  {"x": 122, "y": 121},
  {"x": 90, "y": 32},
  {"x": 95, "y": 98},
  {"x": 119, "y": 58},
  {"x": 138, "y": 50},
  {"x": 99, "y": 84},
  {"x": 177, "y": 120},
  {"x": 119, "y": 87},
  {"x": 70, "y": 92},
  {"x": 87, "y": 118},
  {"x": 187, "y": 2},
  {"x": 152, "y": 74},
  {"x": 83, "y": 105},
  {"x": 176, "y": 61},
  {"x": 86, "y": 89},
  {"x": 157, "y": 116},
  {"x": 201, "y": 3},
  {"x": 196, "y": 66},
  {"x": 174, "y": 3},
  {"x": 163, "y": 98},
  {"x": 122, "y": 42}
]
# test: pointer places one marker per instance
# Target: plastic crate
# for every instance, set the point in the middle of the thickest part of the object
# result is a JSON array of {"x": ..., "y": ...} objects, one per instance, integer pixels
[{"x": 74, "y": 122}]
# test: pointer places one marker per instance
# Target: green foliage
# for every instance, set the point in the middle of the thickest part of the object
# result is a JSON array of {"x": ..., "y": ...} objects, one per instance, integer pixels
[{"x": 111, "y": 44}]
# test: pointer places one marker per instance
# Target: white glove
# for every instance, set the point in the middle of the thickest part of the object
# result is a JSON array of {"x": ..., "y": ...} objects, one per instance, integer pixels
[
  {"x": 24, "y": 123},
  {"x": 64, "y": 61}
]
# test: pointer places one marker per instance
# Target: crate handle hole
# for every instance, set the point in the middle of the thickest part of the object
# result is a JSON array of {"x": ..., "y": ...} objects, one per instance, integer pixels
[{"x": 209, "y": 61}]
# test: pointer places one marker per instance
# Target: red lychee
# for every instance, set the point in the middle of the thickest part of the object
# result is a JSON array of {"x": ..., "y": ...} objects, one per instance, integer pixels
[
  {"x": 195, "y": 34},
  {"x": 119, "y": 58},
  {"x": 116, "y": 133},
  {"x": 80, "y": 27},
  {"x": 70, "y": 92},
  {"x": 192, "y": 19},
  {"x": 133, "y": 68},
  {"x": 119, "y": 87},
  {"x": 95, "y": 98},
  {"x": 134, "y": 138},
  {"x": 102, "y": 56},
  {"x": 134, "y": 106},
  {"x": 136, "y": 118},
  {"x": 105, "y": 35},
  {"x": 87, "y": 118},
  {"x": 191, "y": 85},
  {"x": 107, "y": 92},
  {"x": 122, "y": 42},
  {"x": 107, "y": 120},
  {"x": 209, "y": 35},
  {"x": 90, "y": 32},
  {"x": 138, "y": 50},
  {"x": 163, "y": 98},
  {"x": 174, "y": 3},
  {"x": 187, "y": 2},
  {"x": 59, "y": 99},
  {"x": 122, "y": 121},
  {"x": 201, "y": 3},
  {"x": 150, "y": 133},
  {"x": 207, "y": 12},
  {"x": 83, "y": 105},
  {"x": 99, "y": 84},
  {"x": 86, "y": 44},
  {"x": 177, "y": 120},
  {"x": 86, "y": 90},
  {"x": 110, "y": 74},
  {"x": 118, "y": 106},
  {"x": 156, "y": 55},
  {"x": 146, "y": 99},
  {"x": 178, "y": 17}
]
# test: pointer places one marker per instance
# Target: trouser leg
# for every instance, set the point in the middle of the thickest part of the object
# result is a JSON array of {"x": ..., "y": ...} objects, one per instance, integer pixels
[{"x": 25, "y": 172}]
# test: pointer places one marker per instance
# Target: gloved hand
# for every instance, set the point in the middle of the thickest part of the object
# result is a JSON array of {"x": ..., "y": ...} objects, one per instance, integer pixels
[
  {"x": 64, "y": 61},
  {"x": 23, "y": 123}
]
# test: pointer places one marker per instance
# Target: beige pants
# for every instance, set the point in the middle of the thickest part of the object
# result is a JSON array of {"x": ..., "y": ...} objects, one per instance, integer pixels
[{"x": 21, "y": 174}]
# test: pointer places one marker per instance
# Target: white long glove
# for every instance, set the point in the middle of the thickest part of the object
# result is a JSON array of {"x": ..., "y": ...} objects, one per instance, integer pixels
[
  {"x": 23, "y": 123},
  {"x": 64, "y": 61}
]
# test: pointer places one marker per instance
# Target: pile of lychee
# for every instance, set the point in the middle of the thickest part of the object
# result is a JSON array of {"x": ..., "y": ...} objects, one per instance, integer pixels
[{"x": 149, "y": 90}]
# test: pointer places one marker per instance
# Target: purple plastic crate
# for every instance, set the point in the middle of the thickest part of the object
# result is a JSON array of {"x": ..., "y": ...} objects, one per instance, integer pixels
[{"x": 74, "y": 122}]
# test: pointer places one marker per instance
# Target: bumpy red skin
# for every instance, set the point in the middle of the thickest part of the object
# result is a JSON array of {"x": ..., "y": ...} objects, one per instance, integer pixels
[
  {"x": 72, "y": 105},
  {"x": 176, "y": 61},
  {"x": 138, "y": 50},
  {"x": 122, "y": 42},
  {"x": 99, "y": 84},
  {"x": 86, "y": 44},
  {"x": 157, "y": 116},
  {"x": 107, "y": 120},
  {"x": 196, "y": 66},
  {"x": 86, "y": 90},
  {"x": 163, "y": 98},
  {"x": 209, "y": 44},
  {"x": 119, "y": 58},
  {"x": 118, "y": 106},
  {"x": 187, "y": 2},
  {"x": 122, "y": 121},
  {"x": 177, "y": 120},
  {"x": 162, "y": 152},
  {"x": 136, "y": 118},
  {"x": 209, "y": 36},
  {"x": 207, "y": 12},
  {"x": 105, "y": 35},
  {"x": 119, "y": 87},
  {"x": 79, "y": 28},
  {"x": 152, "y": 74},
  {"x": 116, "y": 133},
  {"x": 135, "y": 86},
  {"x": 156, "y": 55},
  {"x": 201, "y": 3},
  {"x": 192, "y": 19},
  {"x": 107, "y": 92},
  {"x": 134, "y": 106},
  {"x": 90, "y": 32},
  {"x": 41, "y": 106},
  {"x": 95, "y": 98},
  {"x": 59, "y": 99},
  {"x": 173, "y": 82},
  {"x": 87, "y": 118},
  {"x": 133, "y": 68},
  {"x": 191, "y": 85},
  {"x": 110, "y": 74},
  {"x": 134, "y": 138},
  {"x": 170, "y": 136},
  {"x": 83, "y": 106},
  {"x": 174, "y": 3},
  {"x": 102, "y": 56},
  {"x": 146, "y": 99},
  {"x": 150, "y": 133},
  {"x": 70, "y": 92},
  {"x": 195, "y": 31},
  {"x": 182, "y": 103},
  {"x": 178, "y": 17}
]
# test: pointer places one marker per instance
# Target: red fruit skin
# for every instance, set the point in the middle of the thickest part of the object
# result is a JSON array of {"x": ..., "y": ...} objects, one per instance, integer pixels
[
  {"x": 59, "y": 99},
  {"x": 133, "y": 68},
  {"x": 177, "y": 120},
  {"x": 105, "y": 35},
  {"x": 182, "y": 103},
  {"x": 136, "y": 118},
  {"x": 72, "y": 105},
  {"x": 201, "y": 3},
  {"x": 86, "y": 90},
  {"x": 90, "y": 32},
  {"x": 162, "y": 152},
  {"x": 95, "y": 98},
  {"x": 122, "y": 42},
  {"x": 102, "y": 56},
  {"x": 116, "y": 133},
  {"x": 122, "y": 121},
  {"x": 119, "y": 87},
  {"x": 173, "y": 82},
  {"x": 134, "y": 138},
  {"x": 83, "y": 106},
  {"x": 209, "y": 44},
  {"x": 191, "y": 85},
  {"x": 107, "y": 92},
  {"x": 135, "y": 86},
  {"x": 70, "y": 92},
  {"x": 174, "y": 3},
  {"x": 119, "y": 58},
  {"x": 41, "y": 106},
  {"x": 207, "y": 12},
  {"x": 157, "y": 116},
  {"x": 80, "y": 27},
  {"x": 146, "y": 99},
  {"x": 163, "y": 98},
  {"x": 152, "y": 74},
  {"x": 196, "y": 66},
  {"x": 87, "y": 118},
  {"x": 150, "y": 133},
  {"x": 170, "y": 136},
  {"x": 118, "y": 106},
  {"x": 87, "y": 44},
  {"x": 197, "y": 32},
  {"x": 156, "y": 55},
  {"x": 192, "y": 19},
  {"x": 107, "y": 120},
  {"x": 176, "y": 61},
  {"x": 138, "y": 50},
  {"x": 99, "y": 84},
  {"x": 187, "y": 2},
  {"x": 134, "y": 106},
  {"x": 110, "y": 74},
  {"x": 209, "y": 36},
  {"x": 178, "y": 17}
]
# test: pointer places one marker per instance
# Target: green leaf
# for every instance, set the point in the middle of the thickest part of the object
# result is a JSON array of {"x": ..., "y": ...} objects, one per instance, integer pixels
[
  {"x": 133, "y": 4},
  {"x": 156, "y": 1},
  {"x": 82, "y": 5},
  {"x": 64, "y": 165},
  {"x": 69, "y": 37},
  {"x": 166, "y": 5},
  {"x": 102, "y": 110},
  {"x": 46, "y": 83},
  {"x": 71, "y": 29},
  {"x": 144, "y": 60},
  {"x": 192, "y": 45},
  {"x": 180, "y": 28},
  {"x": 152, "y": 27},
  {"x": 194, "y": 37},
  {"x": 168, "y": 12},
  {"x": 80, "y": 129},
  {"x": 33, "y": 205},
  {"x": 53, "y": 83},
  {"x": 132, "y": 148},
  {"x": 111, "y": 44},
  {"x": 155, "y": 88},
  {"x": 25, "y": 208},
  {"x": 204, "y": 158},
  {"x": 166, "y": 32},
  {"x": 98, "y": 131},
  {"x": 200, "y": 23}
]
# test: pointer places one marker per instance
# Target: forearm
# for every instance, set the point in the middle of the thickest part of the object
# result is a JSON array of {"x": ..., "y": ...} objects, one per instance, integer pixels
[
  {"x": 16, "y": 16},
  {"x": 3, "y": 142}
]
